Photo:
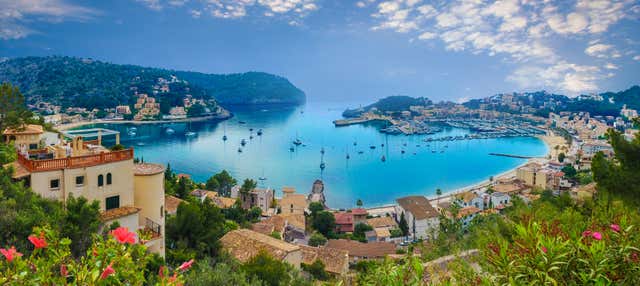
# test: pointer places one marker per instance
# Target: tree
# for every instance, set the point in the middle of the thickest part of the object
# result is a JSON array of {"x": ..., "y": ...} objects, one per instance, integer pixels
[
  {"x": 212, "y": 184},
  {"x": 317, "y": 239},
  {"x": 195, "y": 110},
  {"x": 81, "y": 220},
  {"x": 315, "y": 208},
  {"x": 439, "y": 192},
  {"x": 184, "y": 188},
  {"x": 359, "y": 232},
  {"x": 225, "y": 183},
  {"x": 561, "y": 157},
  {"x": 316, "y": 269},
  {"x": 324, "y": 222},
  {"x": 359, "y": 203},
  {"x": 247, "y": 186},
  {"x": 271, "y": 271},
  {"x": 569, "y": 171},
  {"x": 7, "y": 153},
  {"x": 404, "y": 227},
  {"x": 13, "y": 111}
]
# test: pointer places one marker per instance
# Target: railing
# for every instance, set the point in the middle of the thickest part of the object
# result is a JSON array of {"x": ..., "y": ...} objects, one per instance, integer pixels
[
  {"x": 153, "y": 227},
  {"x": 74, "y": 162}
]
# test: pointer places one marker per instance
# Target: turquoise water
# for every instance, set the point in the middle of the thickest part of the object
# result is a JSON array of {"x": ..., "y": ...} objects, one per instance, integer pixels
[{"x": 364, "y": 176}]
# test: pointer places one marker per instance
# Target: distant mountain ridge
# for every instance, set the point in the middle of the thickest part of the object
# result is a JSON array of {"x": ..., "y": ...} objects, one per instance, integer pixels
[{"x": 81, "y": 82}]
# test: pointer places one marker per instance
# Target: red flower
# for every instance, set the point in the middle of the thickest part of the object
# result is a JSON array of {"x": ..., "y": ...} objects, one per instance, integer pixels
[
  {"x": 38, "y": 242},
  {"x": 586, "y": 233},
  {"x": 596, "y": 235},
  {"x": 186, "y": 265},
  {"x": 10, "y": 253},
  {"x": 94, "y": 252},
  {"x": 161, "y": 272},
  {"x": 107, "y": 271},
  {"x": 123, "y": 235},
  {"x": 63, "y": 270},
  {"x": 544, "y": 249},
  {"x": 615, "y": 227}
]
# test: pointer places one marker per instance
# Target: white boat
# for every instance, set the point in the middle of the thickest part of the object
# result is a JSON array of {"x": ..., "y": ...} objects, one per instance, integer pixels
[
  {"x": 189, "y": 134},
  {"x": 169, "y": 131}
]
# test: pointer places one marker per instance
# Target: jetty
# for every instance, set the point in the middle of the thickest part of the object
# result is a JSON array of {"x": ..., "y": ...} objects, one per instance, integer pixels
[
  {"x": 511, "y": 156},
  {"x": 362, "y": 119}
]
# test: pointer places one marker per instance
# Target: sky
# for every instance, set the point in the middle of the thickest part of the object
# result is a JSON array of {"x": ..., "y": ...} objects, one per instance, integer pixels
[{"x": 340, "y": 50}]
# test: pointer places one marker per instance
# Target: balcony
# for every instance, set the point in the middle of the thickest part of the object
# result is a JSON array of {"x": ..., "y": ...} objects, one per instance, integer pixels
[
  {"x": 74, "y": 162},
  {"x": 150, "y": 232}
]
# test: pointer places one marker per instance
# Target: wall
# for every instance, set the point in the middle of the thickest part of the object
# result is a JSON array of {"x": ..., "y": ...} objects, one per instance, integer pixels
[{"x": 149, "y": 195}]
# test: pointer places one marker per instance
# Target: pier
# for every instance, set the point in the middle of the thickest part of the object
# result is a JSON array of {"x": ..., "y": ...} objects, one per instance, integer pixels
[{"x": 511, "y": 156}]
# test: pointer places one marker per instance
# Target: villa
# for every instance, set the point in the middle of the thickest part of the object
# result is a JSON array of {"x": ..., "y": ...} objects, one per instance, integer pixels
[
  {"x": 262, "y": 198},
  {"x": 129, "y": 193},
  {"x": 469, "y": 199},
  {"x": 244, "y": 244},
  {"x": 25, "y": 139},
  {"x": 422, "y": 218}
]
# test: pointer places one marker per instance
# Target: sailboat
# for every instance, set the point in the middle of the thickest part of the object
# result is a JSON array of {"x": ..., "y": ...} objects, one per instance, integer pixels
[
  {"x": 322, "y": 164},
  {"x": 291, "y": 149},
  {"x": 297, "y": 141},
  {"x": 259, "y": 132},
  {"x": 383, "y": 159},
  {"x": 243, "y": 142},
  {"x": 224, "y": 137},
  {"x": 189, "y": 133}
]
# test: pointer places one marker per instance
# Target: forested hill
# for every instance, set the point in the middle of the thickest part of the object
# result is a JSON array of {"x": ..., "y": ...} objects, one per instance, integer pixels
[{"x": 70, "y": 81}]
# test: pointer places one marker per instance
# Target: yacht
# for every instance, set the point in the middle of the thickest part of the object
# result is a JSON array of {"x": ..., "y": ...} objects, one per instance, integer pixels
[
  {"x": 383, "y": 159},
  {"x": 224, "y": 137},
  {"x": 239, "y": 150},
  {"x": 322, "y": 166},
  {"x": 169, "y": 131},
  {"x": 260, "y": 132},
  {"x": 243, "y": 142},
  {"x": 190, "y": 134}
]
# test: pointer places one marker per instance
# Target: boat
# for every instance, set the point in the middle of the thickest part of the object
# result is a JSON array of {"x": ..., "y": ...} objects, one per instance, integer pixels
[
  {"x": 433, "y": 150},
  {"x": 348, "y": 157},
  {"x": 291, "y": 149},
  {"x": 402, "y": 151},
  {"x": 260, "y": 132},
  {"x": 322, "y": 150},
  {"x": 242, "y": 122},
  {"x": 250, "y": 137},
  {"x": 372, "y": 147},
  {"x": 297, "y": 141},
  {"x": 169, "y": 131},
  {"x": 322, "y": 166},
  {"x": 243, "y": 142},
  {"x": 239, "y": 150},
  {"x": 355, "y": 143},
  {"x": 360, "y": 152},
  {"x": 190, "y": 133},
  {"x": 262, "y": 179},
  {"x": 140, "y": 144},
  {"x": 382, "y": 145},
  {"x": 224, "y": 137},
  {"x": 442, "y": 151},
  {"x": 383, "y": 159},
  {"x": 131, "y": 133},
  {"x": 250, "y": 129}
]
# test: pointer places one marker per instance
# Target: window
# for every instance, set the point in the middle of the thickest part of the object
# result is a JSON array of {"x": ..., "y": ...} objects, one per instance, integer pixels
[
  {"x": 33, "y": 146},
  {"x": 109, "y": 179},
  {"x": 79, "y": 180},
  {"x": 161, "y": 211},
  {"x": 112, "y": 202},
  {"x": 100, "y": 180},
  {"x": 54, "y": 184}
]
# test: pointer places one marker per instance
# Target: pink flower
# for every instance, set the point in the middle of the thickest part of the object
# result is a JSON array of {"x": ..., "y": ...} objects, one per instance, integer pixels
[
  {"x": 615, "y": 227},
  {"x": 10, "y": 253},
  {"x": 586, "y": 233},
  {"x": 544, "y": 249},
  {"x": 186, "y": 265},
  {"x": 63, "y": 270},
  {"x": 123, "y": 235},
  {"x": 38, "y": 242},
  {"x": 107, "y": 271},
  {"x": 596, "y": 235},
  {"x": 161, "y": 272}
]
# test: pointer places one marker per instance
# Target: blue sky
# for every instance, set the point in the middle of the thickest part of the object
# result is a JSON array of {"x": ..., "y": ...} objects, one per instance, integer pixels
[{"x": 350, "y": 50}]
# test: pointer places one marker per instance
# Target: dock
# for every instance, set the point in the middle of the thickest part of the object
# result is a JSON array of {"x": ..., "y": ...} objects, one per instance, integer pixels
[{"x": 511, "y": 156}]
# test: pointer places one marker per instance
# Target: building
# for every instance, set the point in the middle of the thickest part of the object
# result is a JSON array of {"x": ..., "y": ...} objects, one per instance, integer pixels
[
  {"x": 336, "y": 261},
  {"x": 317, "y": 193},
  {"x": 216, "y": 199},
  {"x": 362, "y": 251},
  {"x": 385, "y": 222},
  {"x": 128, "y": 193},
  {"x": 26, "y": 138},
  {"x": 422, "y": 218},
  {"x": 262, "y": 198},
  {"x": 344, "y": 222},
  {"x": 123, "y": 109},
  {"x": 499, "y": 200},
  {"x": 359, "y": 215},
  {"x": 292, "y": 203},
  {"x": 244, "y": 244},
  {"x": 468, "y": 199},
  {"x": 171, "y": 204},
  {"x": 466, "y": 214}
]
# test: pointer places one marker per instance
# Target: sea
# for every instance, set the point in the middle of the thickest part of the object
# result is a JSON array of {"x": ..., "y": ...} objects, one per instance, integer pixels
[{"x": 274, "y": 161}]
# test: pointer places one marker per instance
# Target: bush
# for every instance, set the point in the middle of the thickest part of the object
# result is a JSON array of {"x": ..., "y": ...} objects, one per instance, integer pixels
[{"x": 317, "y": 239}]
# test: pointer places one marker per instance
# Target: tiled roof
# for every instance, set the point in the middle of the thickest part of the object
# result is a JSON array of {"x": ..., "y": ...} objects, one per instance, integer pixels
[
  {"x": 19, "y": 171},
  {"x": 147, "y": 169},
  {"x": 467, "y": 211},
  {"x": 359, "y": 211},
  {"x": 466, "y": 196},
  {"x": 262, "y": 227},
  {"x": 335, "y": 260},
  {"x": 359, "y": 249},
  {"x": 223, "y": 202},
  {"x": 385, "y": 221},
  {"x": 344, "y": 221},
  {"x": 243, "y": 244},
  {"x": 171, "y": 204},
  {"x": 382, "y": 232},
  {"x": 419, "y": 206},
  {"x": 25, "y": 130},
  {"x": 118, "y": 213},
  {"x": 296, "y": 220}
]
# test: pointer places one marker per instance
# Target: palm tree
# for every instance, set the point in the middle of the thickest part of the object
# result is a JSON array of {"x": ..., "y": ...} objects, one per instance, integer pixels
[
  {"x": 359, "y": 203},
  {"x": 439, "y": 193}
]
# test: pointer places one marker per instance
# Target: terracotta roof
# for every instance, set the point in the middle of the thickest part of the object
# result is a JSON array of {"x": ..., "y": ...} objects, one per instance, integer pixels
[
  {"x": 418, "y": 206},
  {"x": 466, "y": 196},
  {"x": 468, "y": 211},
  {"x": 243, "y": 244},
  {"x": 182, "y": 175},
  {"x": 335, "y": 260},
  {"x": 344, "y": 221},
  {"x": 507, "y": 188},
  {"x": 171, "y": 204},
  {"x": 278, "y": 222},
  {"x": 223, "y": 202},
  {"x": 296, "y": 220},
  {"x": 359, "y": 211},
  {"x": 118, "y": 213},
  {"x": 262, "y": 227},
  {"x": 385, "y": 221},
  {"x": 19, "y": 171},
  {"x": 25, "y": 130},
  {"x": 382, "y": 232},
  {"x": 359, "y": 249},
  {"x": 199, "y": 193},
  {"x": 147, "y": 169}
]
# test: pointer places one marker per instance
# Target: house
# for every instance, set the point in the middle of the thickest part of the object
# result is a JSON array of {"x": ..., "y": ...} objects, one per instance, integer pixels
[
  {"x": 262, "y": 198},
  {"x": 359, "y": 215},
  {"x": 499, "y": 200},
  {"x": 336, "y": 261},
  {"x": 422, "y": 218},
  {"x": 362, "y": 251},
  {"x": 221, "y": 202},
  {"x": 289, "y": 226},
  {"x": 171, "y": 204},
  {"x": 244, "y": 244},
  {"x": 468, "y": 199},
  {"x": 378, "y": 234},
  {"x": 344, "y": 222},
  {"x": 129, "y": 193},
  {"x": 382, "y": 222},
  {"x": 292, "y": 203},
  {"x": 25, "y": 139},
  {"x": 466, "y": 214}
]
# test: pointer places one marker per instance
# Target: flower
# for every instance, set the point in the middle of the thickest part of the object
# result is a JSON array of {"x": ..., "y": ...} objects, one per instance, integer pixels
[
  {"x": 10, "y": 253},
  {"x": 186, "y": 265},
  {"x": 38, "y": 242},
  {"x": 161, "y": 272},
  {"x": 586, "y": 233},
  {"x": 596, "y": 235},
  {"x": 63, "y": 270},
  {"x": 615, "y": 227},
  {"x": 123, "y": 235},
  {"x": 544, "y": 249},
  {"x": 107, "y": 271}
]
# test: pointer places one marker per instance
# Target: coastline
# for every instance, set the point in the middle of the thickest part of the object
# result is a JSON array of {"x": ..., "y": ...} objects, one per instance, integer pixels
[{"x": 67, "y": 126}]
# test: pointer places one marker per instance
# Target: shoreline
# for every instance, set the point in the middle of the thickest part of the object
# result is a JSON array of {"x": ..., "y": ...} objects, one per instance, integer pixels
[{"x": 67, "y": 126}]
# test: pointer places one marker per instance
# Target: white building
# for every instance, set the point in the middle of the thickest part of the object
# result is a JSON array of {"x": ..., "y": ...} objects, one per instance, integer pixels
[{"x": 422, "y": 218}]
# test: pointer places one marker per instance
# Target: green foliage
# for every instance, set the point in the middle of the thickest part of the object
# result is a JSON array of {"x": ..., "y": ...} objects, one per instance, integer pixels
[
  {"x": 226, "y": 272},
  {"x": 317, "y": 239},
  {"x": 403, "y": 225},
  {"x": 359, "y": 203},
  {"x": 117, "y": 147},
  {"x": 324, "y": 222},
  {"x": 7, "y": 153},
  {"x": 315, "y": 208},
  {"x": 359, "y": 232},
  {"x": 80, "y": 221},
  {"x": 276, "y": 235},
  {"x": 273, "y": 272},
  {"x": 13, "y": 111},
  {"x": 393, "y": 273},
  {"x": 247, "y": 186},
  {"x": 316, "y": 269},
  {"x": 569, "y": 171},
  {"x": 221, "y": 183}
]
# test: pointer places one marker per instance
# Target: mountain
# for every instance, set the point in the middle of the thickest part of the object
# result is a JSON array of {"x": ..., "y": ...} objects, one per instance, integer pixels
[
  {"x": 395, "y": 103},
  {"x": 79, "y": 82}
]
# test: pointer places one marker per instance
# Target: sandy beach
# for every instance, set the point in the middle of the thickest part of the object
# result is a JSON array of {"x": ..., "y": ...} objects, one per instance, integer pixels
[{"x": 67, "y": 126}]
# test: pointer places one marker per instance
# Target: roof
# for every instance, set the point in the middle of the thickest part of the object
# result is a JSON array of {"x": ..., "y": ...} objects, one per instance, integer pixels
[
  {"x": 262, "y": 227},
  {"x": 467, "y": 211},
  {"x": 299, "y": 201},
  {"x": 418, "y": 206},
  {"x": 335, "y": 260},
  {"x": 183, "y": 175},
  {"x": 278, "y": 222},
  {"x": 118, "y": 213},
  {"x": 359, "y": 211},
  {"x": 223, "y": 202},
  {"x": 296, "y": 220},
  {"x": 507, "y": 188},
  {"x": 19, "y": 171},
  {"x": 147, "y": 169},
  {"x": 199, "y": 193},
  {"x": 25, "y": 130},
  {"x": 466, "y": 196},
  {"x": 171, "y": 204},
  {"x": 385, "y": 221},
  {"x": 359, "y": 249},
  {"x": 244, "y": 244},
  {"x": 382, "y": 232},
  {"x": 288, "y": 190}
]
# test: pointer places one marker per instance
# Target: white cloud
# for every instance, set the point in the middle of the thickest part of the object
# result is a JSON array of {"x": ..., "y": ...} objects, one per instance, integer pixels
[
  {"x": 610, "y": 66},
  {"x": 570, "y": 24},
  {"x": 563, "y": 76},
  {"x": 636, "y": 58},
  {"x": 14, "y": 15},
  {"x": 151, "y": 4},
  {"x": 427, "y": 36},
  {"x": 602, "y": 51},
  {"x": 195, "y": 13}
]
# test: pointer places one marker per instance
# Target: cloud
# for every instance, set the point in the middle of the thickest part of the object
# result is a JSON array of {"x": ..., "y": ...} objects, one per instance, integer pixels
[
  {"x": 636, "y": 58},
  {"x": 152, "y": 4},
  {"x": 610, "y": 66},
  {"x": 521, "y": 32},
  {"x": 15, "y": 15}
]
